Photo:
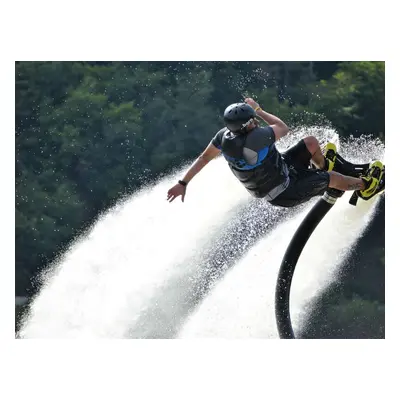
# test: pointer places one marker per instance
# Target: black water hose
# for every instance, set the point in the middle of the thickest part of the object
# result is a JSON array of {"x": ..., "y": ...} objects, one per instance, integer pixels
[{"x": 292, "y": 254}]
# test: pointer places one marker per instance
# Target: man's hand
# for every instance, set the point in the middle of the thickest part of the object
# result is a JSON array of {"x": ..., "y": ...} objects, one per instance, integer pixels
[
  {"x": 175, "y": 191},
  {"x": 251, "y": 102},
  {"x": 179, "y": 190}
]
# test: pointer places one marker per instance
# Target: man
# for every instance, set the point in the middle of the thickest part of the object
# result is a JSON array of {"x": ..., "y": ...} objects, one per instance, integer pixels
[{"x": 285, "y": 179}]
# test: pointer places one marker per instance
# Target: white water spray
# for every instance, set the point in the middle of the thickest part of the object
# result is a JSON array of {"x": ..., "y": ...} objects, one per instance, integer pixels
[
  {"x": 242, "y": 305},
  {"x": 145, "y": 267}
]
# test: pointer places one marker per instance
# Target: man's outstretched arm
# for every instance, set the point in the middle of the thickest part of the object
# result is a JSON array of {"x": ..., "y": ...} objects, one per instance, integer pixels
[{"x": 180, "y": 188}]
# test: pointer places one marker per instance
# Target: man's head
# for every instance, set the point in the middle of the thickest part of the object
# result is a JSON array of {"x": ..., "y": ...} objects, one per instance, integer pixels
[{"x": 240, "y": 118}]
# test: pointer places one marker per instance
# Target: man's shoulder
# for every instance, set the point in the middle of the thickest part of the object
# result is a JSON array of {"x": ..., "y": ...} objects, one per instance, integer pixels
[
  {"x": 263, "y": 130},
  {"x": 260, "y": 137},
  {"x": 217, "y": 139},
  {"x": 222, "y": 131}
]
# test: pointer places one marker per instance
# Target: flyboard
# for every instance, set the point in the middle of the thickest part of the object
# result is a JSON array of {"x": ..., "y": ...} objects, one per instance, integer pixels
[
  {"x": 356, "y": 170},
  {"x": 304, "y": 231}
]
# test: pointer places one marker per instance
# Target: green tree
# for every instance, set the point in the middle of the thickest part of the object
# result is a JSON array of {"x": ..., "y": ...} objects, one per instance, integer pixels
[
  {"x": 354, "y": 318},
  {"x": 354, "y": 98}
]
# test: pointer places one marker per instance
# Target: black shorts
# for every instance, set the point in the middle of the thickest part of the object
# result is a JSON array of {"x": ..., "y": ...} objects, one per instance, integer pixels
[{"x": 305, "y": 182}]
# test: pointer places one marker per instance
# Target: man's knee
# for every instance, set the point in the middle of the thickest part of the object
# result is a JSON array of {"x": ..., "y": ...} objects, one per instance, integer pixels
[{"x": 312, "y": 144}]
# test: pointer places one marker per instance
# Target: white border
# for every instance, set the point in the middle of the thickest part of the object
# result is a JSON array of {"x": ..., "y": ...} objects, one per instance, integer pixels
[{"x": 177, "y": 30}]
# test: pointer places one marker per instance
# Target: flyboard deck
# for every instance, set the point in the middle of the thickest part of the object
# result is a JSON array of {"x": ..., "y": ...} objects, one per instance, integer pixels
[{"x": 345, "y": 167}]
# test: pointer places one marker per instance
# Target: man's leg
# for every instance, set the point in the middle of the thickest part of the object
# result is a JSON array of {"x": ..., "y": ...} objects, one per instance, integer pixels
[
  {"x": 306, "y": 183},
  {"x": 367, "y": 186},
  {"x": 305, "y": 150},
  {"x": 314, "y": 148},
  {"x": 344, "y": 183}
]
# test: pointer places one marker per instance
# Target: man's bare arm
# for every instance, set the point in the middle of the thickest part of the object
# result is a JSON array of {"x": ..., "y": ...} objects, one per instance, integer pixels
[
  {"x": 180, "y": 188},
  {"x": 208, "y": 154},
  {"x": 279, "y": 127}
]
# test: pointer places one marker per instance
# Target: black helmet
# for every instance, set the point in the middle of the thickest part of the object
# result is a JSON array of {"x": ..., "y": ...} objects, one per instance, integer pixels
[{"x": 237, "y": 115}]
